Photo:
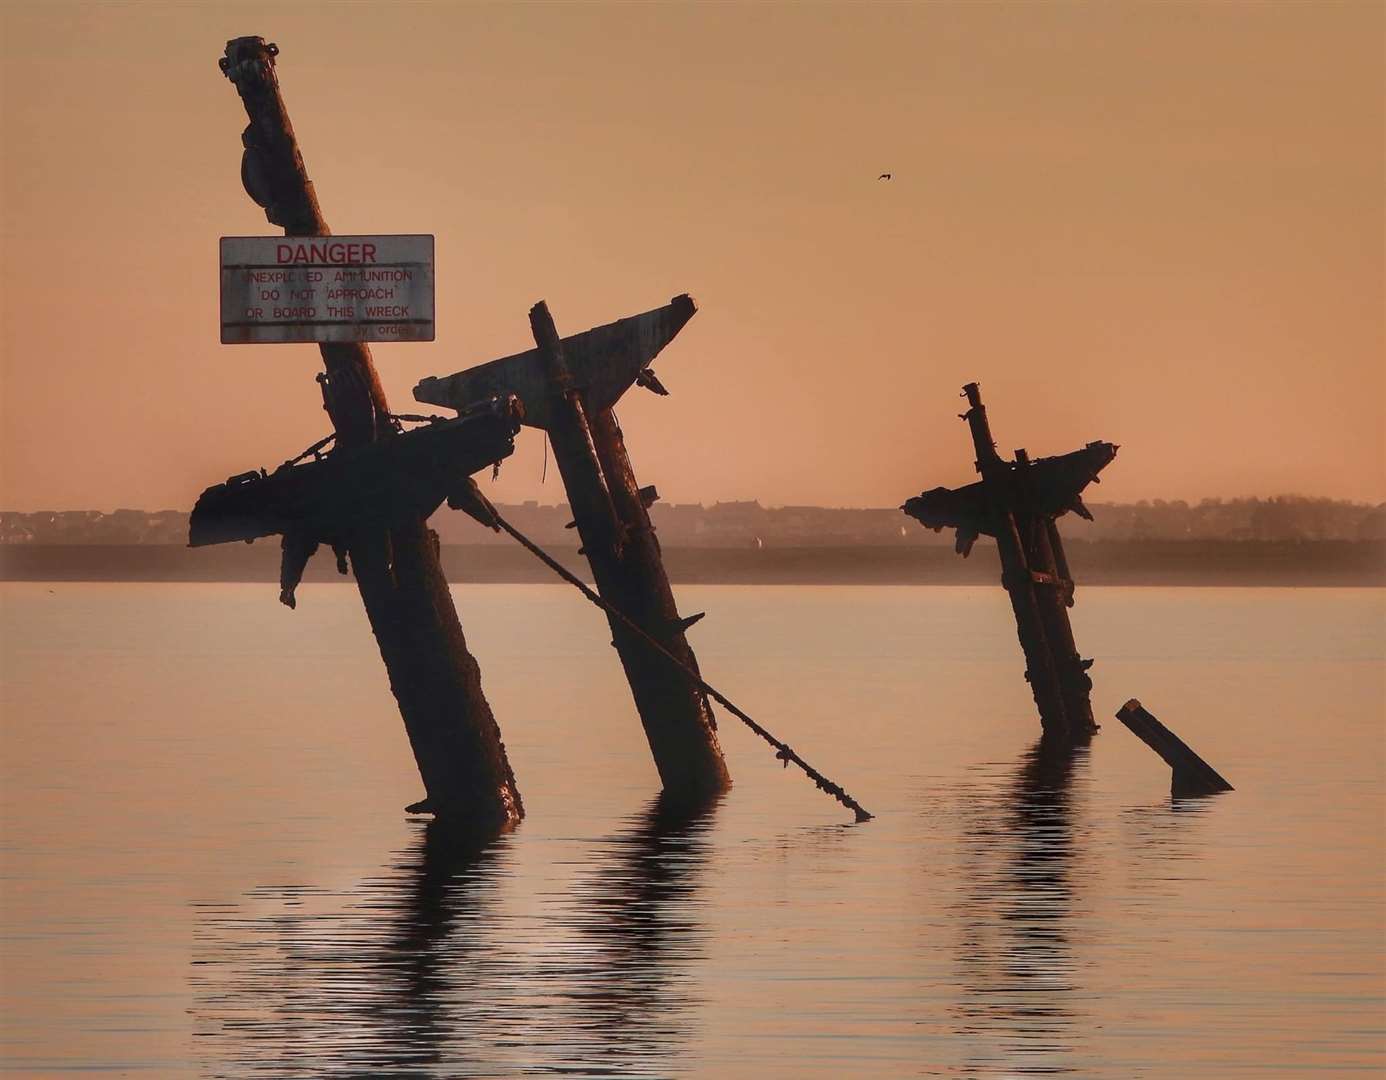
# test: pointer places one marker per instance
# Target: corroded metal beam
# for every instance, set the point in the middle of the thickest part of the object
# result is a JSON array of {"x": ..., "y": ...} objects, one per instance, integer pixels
[
  {"x": 1017, "y": 502},
  {"x": 568, "y": 386},
  {"x": 383, "y": 483},
  {"x": 603, "y": 363},
  {"x": 1190, "y": 775},
  {"x": 435, "y": 679}
]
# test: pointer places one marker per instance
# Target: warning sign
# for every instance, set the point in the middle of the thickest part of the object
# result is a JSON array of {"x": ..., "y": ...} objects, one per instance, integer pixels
[{"x": 326, "y": 288}]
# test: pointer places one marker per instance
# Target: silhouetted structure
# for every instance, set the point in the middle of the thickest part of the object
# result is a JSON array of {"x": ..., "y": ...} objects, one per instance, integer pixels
[
  {"x": 394, "y": 557},
  {"x": 379, "y": 484},
  {"x": 568, "y": 387},
  {"x": 1191, "y": 774},
  {"x": 1017, "y": 502}
]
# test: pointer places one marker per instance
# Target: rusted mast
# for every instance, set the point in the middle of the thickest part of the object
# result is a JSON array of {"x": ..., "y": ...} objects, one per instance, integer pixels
[
  {"x": 621, "y": 547},
  {"x": 1016, "y": 569},
  {"x": 568, "y": 387},
  {"x": 1053, "y": 589},
  {"x": 436, "y": 680},
  {"x": 1017, "y": 503}
]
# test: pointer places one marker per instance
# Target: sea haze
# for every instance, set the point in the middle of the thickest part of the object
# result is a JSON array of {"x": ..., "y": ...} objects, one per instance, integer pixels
[{"x": 207, "y": 871}]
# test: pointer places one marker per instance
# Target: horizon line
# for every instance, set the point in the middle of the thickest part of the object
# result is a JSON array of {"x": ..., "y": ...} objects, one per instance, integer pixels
[{"x": 1207, "y": 499}]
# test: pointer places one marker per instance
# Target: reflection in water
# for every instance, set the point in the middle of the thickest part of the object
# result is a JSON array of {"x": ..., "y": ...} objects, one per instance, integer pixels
[
  {"x": 297, "y": 981},
  {"x": 1017, "y": 968},
  {"x": 1161, "y": 846},
  {"x": 1234, "y": 936},
  {"x": 423, "y": 972},
  {"x": 627, "y": 986},
  {"x": 437, "y": 938}
]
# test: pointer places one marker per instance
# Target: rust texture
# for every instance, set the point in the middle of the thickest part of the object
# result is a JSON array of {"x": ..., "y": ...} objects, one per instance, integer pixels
[
  {"x": 604, "y": 363},
  {"x": 624, "y": 554},
  {"x": 1191, "y": 775},
  {"x": 435, "y": 679},
  {"x": 567, "y": 386},
  {"x": 384, "y": 482},
  {"x": 1017, "y": 502}
]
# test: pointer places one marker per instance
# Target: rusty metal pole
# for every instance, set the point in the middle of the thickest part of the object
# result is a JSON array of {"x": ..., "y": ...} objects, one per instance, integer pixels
[
  {"x": 1053, "y": 589},
  {"x": 436, "y": 680},
  {"x": 621, "y": 548},
  {"x": 1017, "y": 503},
  {"x": 1016, "y": 571},
  {"x": 1190, "y": 774},
  {"x": 680, "y": 718}
]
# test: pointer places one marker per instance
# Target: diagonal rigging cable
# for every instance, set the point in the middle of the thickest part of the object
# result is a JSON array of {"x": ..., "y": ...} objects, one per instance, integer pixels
[{"x": 478, "y": 506}]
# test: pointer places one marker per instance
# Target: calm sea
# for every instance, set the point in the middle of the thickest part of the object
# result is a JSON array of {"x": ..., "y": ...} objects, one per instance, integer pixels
[{"x": 206, "y": 870}]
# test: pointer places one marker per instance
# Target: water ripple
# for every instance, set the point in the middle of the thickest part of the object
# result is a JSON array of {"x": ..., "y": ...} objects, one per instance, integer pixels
[{"x": 419, "y": 972}]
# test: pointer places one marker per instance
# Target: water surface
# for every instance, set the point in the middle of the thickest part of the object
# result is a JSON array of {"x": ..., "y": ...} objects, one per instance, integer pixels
[{"x": 206, "y": 870}]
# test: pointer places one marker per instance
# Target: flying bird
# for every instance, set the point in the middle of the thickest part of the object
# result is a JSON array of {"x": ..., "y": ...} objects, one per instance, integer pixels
[{"x": 884, "y": 176}]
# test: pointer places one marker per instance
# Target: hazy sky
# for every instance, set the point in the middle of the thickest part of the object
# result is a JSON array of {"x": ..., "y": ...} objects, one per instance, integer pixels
[{"x": 1156, "y": 224}]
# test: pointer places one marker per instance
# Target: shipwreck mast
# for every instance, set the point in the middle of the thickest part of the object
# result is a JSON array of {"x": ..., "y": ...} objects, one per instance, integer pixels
[
  {"x": 568, "y": 386},
  {"x": 1017, "y": 502},
  {"x": 436, "y": 680}
]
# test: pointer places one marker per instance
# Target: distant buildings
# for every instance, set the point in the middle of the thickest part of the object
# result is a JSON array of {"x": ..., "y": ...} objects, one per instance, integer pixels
[
  {"x": 750, "y": 525},
  {"x": 94, "y": 527}
]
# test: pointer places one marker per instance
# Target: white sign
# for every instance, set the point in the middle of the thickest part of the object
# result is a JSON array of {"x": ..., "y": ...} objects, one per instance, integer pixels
[{"x": 326, "y": 288}]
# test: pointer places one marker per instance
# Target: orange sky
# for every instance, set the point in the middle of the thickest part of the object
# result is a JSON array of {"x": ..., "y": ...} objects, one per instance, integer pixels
[{"x": 1156, "y": 224}]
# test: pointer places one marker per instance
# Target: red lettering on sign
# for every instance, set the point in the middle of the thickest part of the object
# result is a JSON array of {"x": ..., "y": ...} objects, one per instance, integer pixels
[{"x": 326, "y": 251}]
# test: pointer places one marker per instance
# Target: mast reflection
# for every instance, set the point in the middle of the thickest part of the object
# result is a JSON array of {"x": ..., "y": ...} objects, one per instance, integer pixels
[
  {"x": 424, "y": 972},
  {"x": 296, "y": 981},
  {"x": 629, "y": 983},
  {"x": 1018, "y": 1011}
]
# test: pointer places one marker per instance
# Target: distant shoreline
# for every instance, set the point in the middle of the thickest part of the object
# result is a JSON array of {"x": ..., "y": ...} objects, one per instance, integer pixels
[{"x": 1322, "y": 563}]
